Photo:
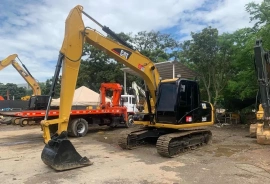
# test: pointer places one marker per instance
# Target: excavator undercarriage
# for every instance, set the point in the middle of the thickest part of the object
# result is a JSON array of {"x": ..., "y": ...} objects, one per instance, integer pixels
[{"x": 169, "y": 142}]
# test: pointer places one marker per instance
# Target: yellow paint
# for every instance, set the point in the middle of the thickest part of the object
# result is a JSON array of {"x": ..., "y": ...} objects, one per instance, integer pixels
[
  {"x": 169, "y": 80},
  {"x": 28, "y": 78},
  {"x": 173, "y": 126},
  {"x": 259, "y": 113}
]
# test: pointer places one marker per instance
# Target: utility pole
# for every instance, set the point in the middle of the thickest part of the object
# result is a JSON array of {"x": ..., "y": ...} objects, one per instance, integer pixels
[{"x": 8, "y": 94}]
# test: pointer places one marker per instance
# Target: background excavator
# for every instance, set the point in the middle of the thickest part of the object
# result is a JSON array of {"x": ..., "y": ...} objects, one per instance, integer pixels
[
  {"x": 137, "y": 92},
  {"x": 36, "y": 101},
  {"x": 24, "y": 72},
  {"x": 178, "y": 107},
  {"x": 261, "y": 129}
]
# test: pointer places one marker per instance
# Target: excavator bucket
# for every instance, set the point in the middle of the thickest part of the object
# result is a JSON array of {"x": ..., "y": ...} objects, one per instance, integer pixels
[
  {"x": 61, "y": 155},
  {"x": 263, "y": 134}
]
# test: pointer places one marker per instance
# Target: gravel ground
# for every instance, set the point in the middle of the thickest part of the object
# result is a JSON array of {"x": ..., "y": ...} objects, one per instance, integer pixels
[{"x": 233, "y": 157}]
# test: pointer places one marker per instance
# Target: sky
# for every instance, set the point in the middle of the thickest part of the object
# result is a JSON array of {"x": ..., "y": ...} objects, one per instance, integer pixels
[{"x": 34, "y": 29}]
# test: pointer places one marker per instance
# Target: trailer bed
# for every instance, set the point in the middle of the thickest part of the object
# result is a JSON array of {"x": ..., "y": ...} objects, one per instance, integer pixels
[{"x": 41, "y": 113}]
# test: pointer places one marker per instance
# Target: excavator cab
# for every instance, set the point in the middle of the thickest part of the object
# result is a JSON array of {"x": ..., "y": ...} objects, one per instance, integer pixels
[
  {"x": 39, "y": 102},
  {"x": 179, "y": 102}
]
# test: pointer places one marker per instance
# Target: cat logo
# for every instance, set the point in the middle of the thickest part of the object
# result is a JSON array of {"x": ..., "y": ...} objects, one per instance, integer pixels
[
  {"x": 23, "y": 73},
  {"x": 123, "y": 53}
]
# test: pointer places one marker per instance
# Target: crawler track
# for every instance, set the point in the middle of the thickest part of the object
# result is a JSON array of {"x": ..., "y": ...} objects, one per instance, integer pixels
[
  {"x": 129, "y": 139},
  {"x": 173, "y": 144},
  {"x": 168, "y": 144}
]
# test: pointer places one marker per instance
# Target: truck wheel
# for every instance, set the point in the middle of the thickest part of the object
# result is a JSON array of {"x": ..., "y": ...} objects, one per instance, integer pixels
[
  {"x": 78, "y": 127},
  {"x": 23, "y": 122},
  {"x": 130, "y": 121},
  {"x": 15, "y": 121}
]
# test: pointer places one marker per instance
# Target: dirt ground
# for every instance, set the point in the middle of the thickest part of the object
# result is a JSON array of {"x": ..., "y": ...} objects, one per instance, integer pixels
[{"x": 231, "y": 158}]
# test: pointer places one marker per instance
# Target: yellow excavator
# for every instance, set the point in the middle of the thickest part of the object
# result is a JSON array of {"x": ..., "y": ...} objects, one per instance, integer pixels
[
  {"x": 24, "y": 72},
  {"x": 261, "y": 129},
  {"x": 176, "y": 123}
]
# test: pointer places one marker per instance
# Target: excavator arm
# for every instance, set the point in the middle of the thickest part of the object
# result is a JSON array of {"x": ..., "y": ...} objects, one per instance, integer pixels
[
  {"x": 262, "y": 67},
  {"x": 138, "y": 89},
  {"x": 23, "y": 71}
]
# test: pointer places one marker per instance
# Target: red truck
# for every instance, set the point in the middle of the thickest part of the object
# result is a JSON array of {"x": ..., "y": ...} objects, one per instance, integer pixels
[{"x": 112, "y": 113}]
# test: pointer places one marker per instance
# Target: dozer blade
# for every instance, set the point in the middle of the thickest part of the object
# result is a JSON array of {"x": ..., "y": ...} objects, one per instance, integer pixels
[{"x": 61, "y": 155}]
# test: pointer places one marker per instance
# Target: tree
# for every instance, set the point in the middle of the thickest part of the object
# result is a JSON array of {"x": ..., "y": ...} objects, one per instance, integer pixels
[
  {"x": 243, "y": 82},
  {"x": 259, "y": 12},
  {"x": 13, "y": 90},
  {"x": 42, "y": 86},
  {"x": 210, "y": 56},
  {"x": 98, "y": 68},
  {"x": 222, "y": 69},
  {"x": 157, "y": 46},
  {"x": 46, "y": 88}
]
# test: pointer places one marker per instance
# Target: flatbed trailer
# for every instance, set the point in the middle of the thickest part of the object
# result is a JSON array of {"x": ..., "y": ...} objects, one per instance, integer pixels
[{"x": 79, "y": 119}]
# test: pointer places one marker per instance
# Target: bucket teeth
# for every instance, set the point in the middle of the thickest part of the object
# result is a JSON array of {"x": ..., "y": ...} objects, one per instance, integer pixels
[{"x": 61, "y": 155}]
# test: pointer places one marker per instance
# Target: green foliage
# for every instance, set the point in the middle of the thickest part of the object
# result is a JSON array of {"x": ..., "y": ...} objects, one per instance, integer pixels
[
  {"x": 259, "y": 12},
  {"x": 13, "y": 90},
  {"x": 209, "y": 54},
  {"x": 243, "y": 83},
  {"x": 156, "y": 46},
  {"x": 46, "y": 87}
]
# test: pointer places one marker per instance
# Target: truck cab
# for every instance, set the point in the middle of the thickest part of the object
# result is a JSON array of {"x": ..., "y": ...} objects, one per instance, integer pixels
[{"x": 129, "y": 101}]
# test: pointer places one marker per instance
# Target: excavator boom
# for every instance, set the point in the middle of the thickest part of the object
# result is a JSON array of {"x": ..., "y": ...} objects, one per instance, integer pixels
[
  {"x": 23, "y": 71},
  {"x": 58, "y": 152}
]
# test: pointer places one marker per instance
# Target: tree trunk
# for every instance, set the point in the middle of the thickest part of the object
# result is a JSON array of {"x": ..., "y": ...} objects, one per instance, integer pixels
[
  {"x": 209, "y": 94},
  {"x": 215, "y": 100}
]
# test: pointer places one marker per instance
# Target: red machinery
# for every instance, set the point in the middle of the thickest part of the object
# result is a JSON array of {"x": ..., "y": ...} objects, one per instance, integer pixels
[
  {"x": 116, "y": 88},
  {"x": 110, "y": 113}
]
